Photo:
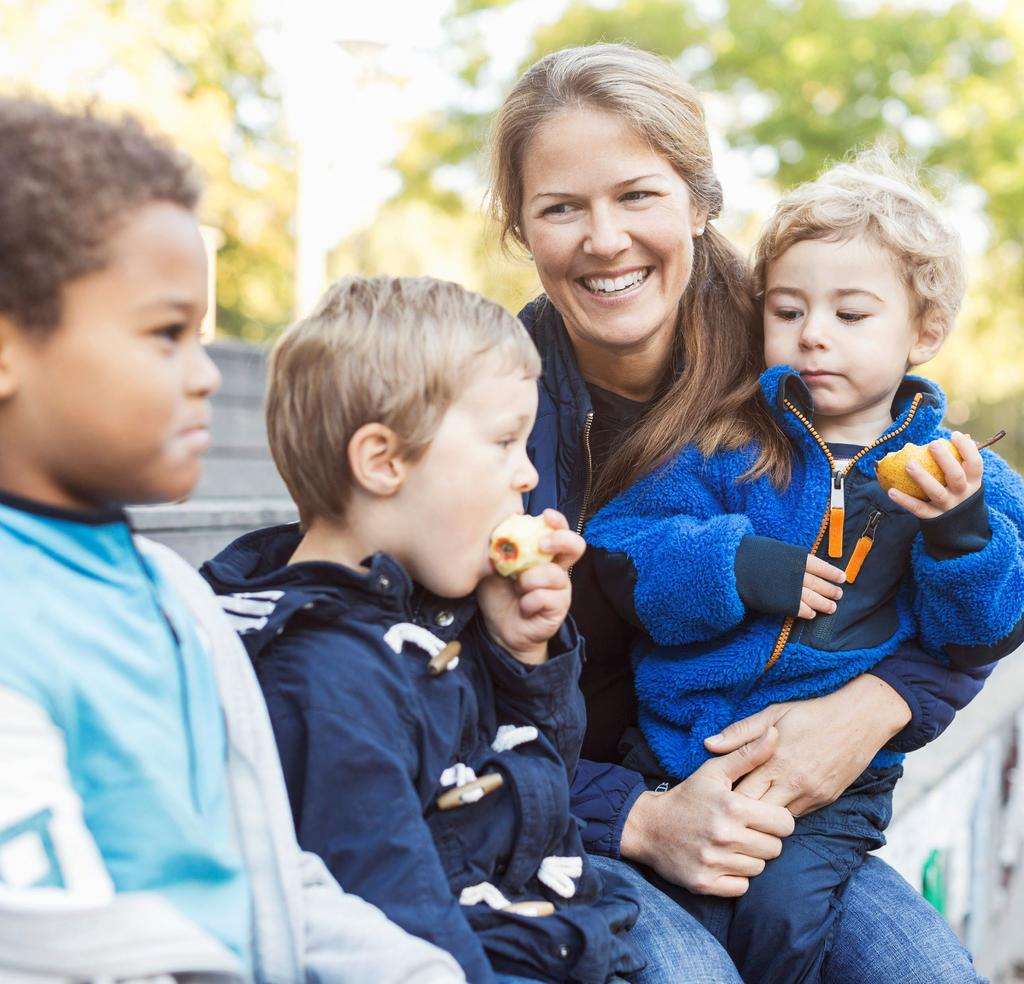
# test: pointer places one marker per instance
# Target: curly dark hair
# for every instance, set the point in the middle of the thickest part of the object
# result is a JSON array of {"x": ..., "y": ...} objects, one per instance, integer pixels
[{"x": 68, "y": 180}]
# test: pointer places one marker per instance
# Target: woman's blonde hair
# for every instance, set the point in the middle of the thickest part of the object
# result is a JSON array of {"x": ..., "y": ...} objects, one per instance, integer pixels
[
  {"x": 389, "y": 350},
  {"x": 878, "y": 196},
  {"x": 710, "y": 394}
]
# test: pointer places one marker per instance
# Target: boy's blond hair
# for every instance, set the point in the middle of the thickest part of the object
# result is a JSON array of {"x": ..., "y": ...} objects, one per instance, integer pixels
[
  {"x": 880, "y": 197},
  {"x": 389, "y": 350}
]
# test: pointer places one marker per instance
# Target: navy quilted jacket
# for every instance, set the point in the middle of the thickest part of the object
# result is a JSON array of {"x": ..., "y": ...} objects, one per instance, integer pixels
[
  {"x": 370, "y": 740},
  {"x": 717, "y": 564},
  {"x": 603, "y": 793}
]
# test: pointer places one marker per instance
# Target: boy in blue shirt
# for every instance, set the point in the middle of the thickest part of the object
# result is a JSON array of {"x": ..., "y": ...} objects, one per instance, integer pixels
[
  {"x": 435, "y": 786},
  {"x": 135, "y": 840},
  {"x": 762, "y": 575}
]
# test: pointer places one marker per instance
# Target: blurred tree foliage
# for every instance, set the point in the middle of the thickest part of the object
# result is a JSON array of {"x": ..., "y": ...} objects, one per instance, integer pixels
[
  {"x": 804, "y": 82},
  {"x": 193, "y": 71}
]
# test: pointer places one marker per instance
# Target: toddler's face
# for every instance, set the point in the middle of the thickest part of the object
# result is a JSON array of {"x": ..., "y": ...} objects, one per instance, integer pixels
[
  {"x": 113, "y": 406},
  {"x": 472, "y": 476},
  {"x": 839, "y": 314}
]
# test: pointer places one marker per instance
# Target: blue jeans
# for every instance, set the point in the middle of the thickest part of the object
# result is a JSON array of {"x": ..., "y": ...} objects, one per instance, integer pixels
[
  {"x": 886, "y": 932},
  {"x": 678, "y": 949},
  {"x": 781, "y": 930}
]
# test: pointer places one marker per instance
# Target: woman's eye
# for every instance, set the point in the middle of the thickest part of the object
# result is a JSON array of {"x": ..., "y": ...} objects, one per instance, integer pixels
[
  {"x": 637, "y": 196},
  {"x": 562, "y": 208},
  {"x": 506, "y": 442}
]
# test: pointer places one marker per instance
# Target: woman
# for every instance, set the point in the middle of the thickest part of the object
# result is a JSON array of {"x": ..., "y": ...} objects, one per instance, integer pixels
[{"x": 602, "y": 171}]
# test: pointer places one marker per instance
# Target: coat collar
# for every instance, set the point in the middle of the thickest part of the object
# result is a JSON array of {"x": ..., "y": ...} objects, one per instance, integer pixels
[
  {"x": 560, "y": 375},
  {"x": 781, "y": 385},
  {"x": 255, "y": 568}
]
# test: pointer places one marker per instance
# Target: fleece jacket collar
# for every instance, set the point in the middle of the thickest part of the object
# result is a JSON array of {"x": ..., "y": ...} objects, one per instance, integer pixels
[{"x": 782, "y": 384}]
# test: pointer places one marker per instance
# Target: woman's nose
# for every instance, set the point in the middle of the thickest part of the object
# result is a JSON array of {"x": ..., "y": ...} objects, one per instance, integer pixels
[{"x": 607, "y": 235}]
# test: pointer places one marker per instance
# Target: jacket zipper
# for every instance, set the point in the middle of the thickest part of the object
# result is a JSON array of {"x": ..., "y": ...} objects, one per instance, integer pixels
[
  {"x": 863, "y": 548},
  {"x": 838, "y": 481},
  {"x": 590, "y": 473},
  {"x": 590, "y": 477},
  {"x": 186, "y": 713}
]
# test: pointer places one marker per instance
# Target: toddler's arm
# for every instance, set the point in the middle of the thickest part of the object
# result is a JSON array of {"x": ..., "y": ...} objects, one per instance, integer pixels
[
  {"x": 968, "y": 563},
  {"x": 676, "y": 563}
]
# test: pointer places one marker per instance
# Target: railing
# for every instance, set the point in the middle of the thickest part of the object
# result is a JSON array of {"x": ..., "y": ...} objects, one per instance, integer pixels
[{"x": 958, "y": 830}]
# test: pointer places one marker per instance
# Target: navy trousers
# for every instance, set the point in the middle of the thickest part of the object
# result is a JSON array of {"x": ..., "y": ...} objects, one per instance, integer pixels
[{"x": 780, "y": 931}]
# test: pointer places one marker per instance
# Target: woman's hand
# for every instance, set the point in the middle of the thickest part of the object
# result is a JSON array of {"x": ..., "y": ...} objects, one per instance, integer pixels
[
  {"x": 824, "y": 744},
  {"x": 702, "y": 835}
]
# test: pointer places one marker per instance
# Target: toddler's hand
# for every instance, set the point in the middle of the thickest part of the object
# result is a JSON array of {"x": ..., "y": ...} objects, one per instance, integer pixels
[
  {"x": 962, "y": 479},
  {"x": 524, "y": 612},
  {"x": 821, "y": 588}
]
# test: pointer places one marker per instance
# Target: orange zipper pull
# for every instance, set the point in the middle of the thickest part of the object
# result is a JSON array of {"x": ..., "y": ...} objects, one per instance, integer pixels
[
  {"x": 863, "y": 548},
  {"x": 836, "y": 515}
]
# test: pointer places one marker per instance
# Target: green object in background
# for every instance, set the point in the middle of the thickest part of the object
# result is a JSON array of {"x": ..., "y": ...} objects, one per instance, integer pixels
[{"x": 933, "y": 880}]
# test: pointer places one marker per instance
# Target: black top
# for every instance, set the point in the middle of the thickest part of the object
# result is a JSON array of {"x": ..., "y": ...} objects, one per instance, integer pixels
[{"x": 607, "y": 679}]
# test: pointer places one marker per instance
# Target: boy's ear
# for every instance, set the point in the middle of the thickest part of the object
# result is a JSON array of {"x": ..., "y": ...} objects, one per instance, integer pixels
[
  {"x": 931, "y": 333},
  {"x": 375, "y": 459}
]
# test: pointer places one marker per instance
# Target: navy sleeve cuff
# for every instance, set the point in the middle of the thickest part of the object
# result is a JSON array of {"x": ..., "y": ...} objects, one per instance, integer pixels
[
  {"x": 933, "y": 691},
  {"x": 964, "y": 529},
  {"x": 770, "y": 575},
  {"x": 602, "y": 796}
]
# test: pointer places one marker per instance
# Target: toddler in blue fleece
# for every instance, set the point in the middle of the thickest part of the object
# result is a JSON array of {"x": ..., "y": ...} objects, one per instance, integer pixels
[
  {"x": 767, "y": 574},
  {"x": 435, "y": 787}
]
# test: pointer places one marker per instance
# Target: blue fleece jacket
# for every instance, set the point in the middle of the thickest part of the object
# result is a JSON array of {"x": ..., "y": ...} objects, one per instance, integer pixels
[
  {"x": 715, "y": 561},
  {"x": 604, "y": 793}
]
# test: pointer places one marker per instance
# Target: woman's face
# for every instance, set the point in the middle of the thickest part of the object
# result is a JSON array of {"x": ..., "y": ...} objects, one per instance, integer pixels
[{"x": 611, "y": 225}]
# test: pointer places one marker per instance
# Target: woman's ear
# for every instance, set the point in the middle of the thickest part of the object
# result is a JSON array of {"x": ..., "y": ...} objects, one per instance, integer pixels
[
  {"x": 698, "y": 219},
  {"x": 375, "y": 459},
  {"x": 931, "y": 333}
]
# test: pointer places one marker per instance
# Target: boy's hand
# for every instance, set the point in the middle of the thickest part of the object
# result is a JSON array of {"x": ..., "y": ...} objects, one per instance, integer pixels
[
  {"x": 821, "y": 588},
  {"x": 962, "y": 479},
  {"x": 523, "y": 613}
]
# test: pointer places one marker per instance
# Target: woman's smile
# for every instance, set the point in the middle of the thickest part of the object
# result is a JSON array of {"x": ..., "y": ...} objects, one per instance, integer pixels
[{"x": 611, "y": 233}]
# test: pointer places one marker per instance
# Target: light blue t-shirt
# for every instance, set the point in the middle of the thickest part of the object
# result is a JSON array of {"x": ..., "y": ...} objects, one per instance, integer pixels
[{"x": 91, "y": 633}]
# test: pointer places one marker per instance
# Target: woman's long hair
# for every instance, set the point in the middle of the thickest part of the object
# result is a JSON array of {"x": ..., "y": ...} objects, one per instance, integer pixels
[{"x": 709, "y": 396}]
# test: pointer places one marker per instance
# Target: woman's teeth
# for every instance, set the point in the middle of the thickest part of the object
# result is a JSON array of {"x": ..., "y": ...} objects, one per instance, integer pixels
[{"x": 605, "y": 285}]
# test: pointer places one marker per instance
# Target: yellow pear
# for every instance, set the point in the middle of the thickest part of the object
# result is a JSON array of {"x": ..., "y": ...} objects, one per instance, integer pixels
[{"x": 891, "y": 471}]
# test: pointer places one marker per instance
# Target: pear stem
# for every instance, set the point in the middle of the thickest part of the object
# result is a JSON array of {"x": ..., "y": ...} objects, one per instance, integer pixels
[{"x": 992, "y": 440}]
